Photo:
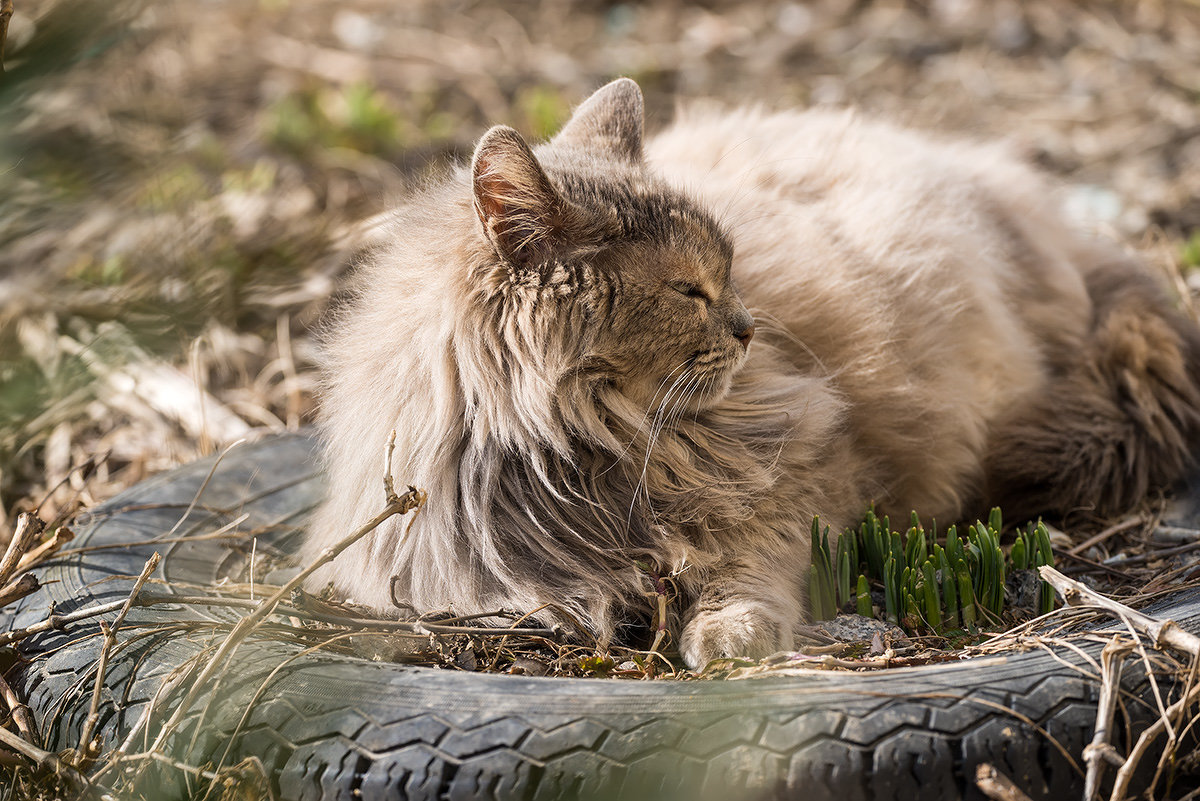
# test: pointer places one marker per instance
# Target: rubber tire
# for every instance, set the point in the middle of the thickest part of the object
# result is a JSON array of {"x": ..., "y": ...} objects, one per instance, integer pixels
[{"x": 332, "y": 727}]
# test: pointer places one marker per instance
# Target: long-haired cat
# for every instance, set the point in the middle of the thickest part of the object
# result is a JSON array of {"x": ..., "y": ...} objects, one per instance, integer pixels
[{"x": 605, "y": 358}]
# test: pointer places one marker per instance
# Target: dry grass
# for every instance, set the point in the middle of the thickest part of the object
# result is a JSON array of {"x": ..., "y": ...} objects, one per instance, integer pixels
[
  {"x": 182, "y": 186},
  {"x": 94, "y": 769}
]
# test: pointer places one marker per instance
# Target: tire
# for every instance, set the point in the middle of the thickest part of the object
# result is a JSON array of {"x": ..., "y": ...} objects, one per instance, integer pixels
[{"x": 337, "y": 727}]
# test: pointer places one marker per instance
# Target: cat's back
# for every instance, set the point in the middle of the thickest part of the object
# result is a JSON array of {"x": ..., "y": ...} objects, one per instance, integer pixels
[
  {"x": 928, "y": 274},
  {"x": 883, "y": 188},
  {"x": 794, "y": 153}
]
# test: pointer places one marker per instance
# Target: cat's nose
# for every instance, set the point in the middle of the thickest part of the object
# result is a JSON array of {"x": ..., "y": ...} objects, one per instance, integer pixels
[{"x": 743, "y": 328}]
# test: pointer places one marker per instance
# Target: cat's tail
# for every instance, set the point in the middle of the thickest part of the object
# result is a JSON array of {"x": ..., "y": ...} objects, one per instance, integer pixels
[{"x": 1117, "y": 419}]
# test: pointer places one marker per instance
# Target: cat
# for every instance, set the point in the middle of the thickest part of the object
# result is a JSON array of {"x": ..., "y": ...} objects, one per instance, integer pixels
[{"x": 611, "y": 362}]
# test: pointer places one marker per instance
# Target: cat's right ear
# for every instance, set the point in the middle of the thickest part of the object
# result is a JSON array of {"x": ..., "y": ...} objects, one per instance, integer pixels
[{"x": 518, "y": 207}]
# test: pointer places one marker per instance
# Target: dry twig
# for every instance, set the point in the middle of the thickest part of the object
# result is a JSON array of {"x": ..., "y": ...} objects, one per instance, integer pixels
[
  {"x": 224, "y": 532},
  {"x": 1116, "y": 528},
  {"x": 22, "y": 716},
  {"x": 1168, "y": 756},
  {"x": 1159, "y": 553},
  {"x": 1100, "y": 752},
  {"x": 43, "y": 759},
  {"x": 28, "y": 528},
  {"x": 996, "y": 785},
  {"x": 6, "y": 12},
  {"x": 1162, "y": 632},
  {"x": 62, "y": 535},
  {"x": 25, "y": 585},
  {"x": 89, "y": 746},
  {"x": 56, "y": 621},
  {"x": 1125, "y": 774},
  {"x": 168, "y": 686},
  {"x": 396, "y": 504}
]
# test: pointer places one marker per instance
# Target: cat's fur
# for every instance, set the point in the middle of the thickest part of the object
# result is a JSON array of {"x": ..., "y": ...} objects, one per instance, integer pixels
[{"x": 554, "y": 336}]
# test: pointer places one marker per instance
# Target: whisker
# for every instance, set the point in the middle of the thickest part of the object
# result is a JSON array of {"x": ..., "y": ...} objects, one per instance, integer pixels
[
  {"x": 656, "y": 427},
  {"x": 672, "y": 415},
  {"x": 646, "y": 416},
  {"x": 777, "y": 327},
  {"x": 709, "y": 383}
]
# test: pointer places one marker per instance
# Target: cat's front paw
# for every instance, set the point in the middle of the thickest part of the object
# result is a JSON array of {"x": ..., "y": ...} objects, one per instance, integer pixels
[{"x": 739, "y": 629}]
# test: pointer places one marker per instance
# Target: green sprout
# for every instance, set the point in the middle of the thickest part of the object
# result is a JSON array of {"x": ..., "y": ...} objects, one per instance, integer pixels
[
  {"x": 1190, "y": 256},
  {"x": 928, "y": 583}
]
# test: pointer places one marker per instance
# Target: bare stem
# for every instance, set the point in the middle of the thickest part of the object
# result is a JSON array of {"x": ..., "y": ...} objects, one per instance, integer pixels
[
  {"x": 996, "y": 785},
  {"x": 396, "y": 504},
  {"x": 90, "y": 748},
  {"x": 28, "y": 528},
  {"x": 18, "y": 589},
  {"x": 1117, "y": 528},
  {"x": 1163, "y": 632},
  {"x": 55, "y": 621},
  {"x": 166, "y": 688},
  {"x": 62, "y": 535},
  {"x": 43, "y": 759},
  {"x": 1100, "y": 752},
  {"x": 1125, "y": 774},
  {"x": 6, "y": 12},
  {"x": 21, "y": 714}
]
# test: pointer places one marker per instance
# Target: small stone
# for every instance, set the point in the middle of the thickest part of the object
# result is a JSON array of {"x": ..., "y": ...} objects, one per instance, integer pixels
[
  {"x": 530, "y": 667},
  {"x": 1024, "y": 590},
  {"x": 1093, "y": 206},
  {"x": 856, "y": 628}
]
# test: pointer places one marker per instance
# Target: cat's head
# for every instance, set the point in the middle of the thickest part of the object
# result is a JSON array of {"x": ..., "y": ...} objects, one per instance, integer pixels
[{"x": 602, "y": 270}]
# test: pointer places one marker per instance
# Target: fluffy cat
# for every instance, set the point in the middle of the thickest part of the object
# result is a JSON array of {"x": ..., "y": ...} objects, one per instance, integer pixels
[{"x": 560, "y": 338}]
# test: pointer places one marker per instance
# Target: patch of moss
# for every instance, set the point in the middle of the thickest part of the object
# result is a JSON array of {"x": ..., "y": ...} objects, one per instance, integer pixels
[
  {"x": 358, "y": 117},
  {"x": 541, "y": 110},
  {"x": 1190, "y": 257},
  {"x": 177, "y": 186}
]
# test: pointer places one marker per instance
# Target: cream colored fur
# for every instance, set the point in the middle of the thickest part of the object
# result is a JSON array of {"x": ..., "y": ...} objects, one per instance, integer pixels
[
  {"x": 529, "y": 339},
  {"x": 889, "y": 258}
]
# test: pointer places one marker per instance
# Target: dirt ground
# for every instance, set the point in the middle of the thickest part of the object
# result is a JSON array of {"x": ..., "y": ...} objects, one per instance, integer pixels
[{"x": 183, "y": 186}]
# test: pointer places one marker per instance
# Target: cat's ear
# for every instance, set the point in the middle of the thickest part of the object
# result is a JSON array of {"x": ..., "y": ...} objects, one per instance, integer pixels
[
  {"x": 609, "y": 121},
  {"x": 519, "y": 208}
]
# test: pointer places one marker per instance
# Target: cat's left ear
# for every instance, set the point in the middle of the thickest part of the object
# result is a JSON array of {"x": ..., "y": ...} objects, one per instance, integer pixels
[{"x": 610, "y": 121}]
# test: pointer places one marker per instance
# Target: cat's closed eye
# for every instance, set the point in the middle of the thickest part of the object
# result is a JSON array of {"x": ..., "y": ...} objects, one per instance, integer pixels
[{"x": 691, "y": 291}]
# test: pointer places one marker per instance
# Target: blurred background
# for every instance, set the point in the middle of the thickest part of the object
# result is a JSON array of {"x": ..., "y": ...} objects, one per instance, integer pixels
[{"x": 184, "y": 185}]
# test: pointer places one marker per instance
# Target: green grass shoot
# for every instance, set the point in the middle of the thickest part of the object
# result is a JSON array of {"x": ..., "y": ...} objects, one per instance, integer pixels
[{"x": 928, "y": 583}]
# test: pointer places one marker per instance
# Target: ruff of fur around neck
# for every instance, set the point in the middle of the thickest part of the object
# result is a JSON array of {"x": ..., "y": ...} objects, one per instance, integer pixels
[{"x": 547, "y": 469}]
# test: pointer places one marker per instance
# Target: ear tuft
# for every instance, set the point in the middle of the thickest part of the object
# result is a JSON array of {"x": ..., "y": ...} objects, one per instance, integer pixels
[
  {"x": 610, "y": 121},
  {"x": 516, "y": 203}
]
